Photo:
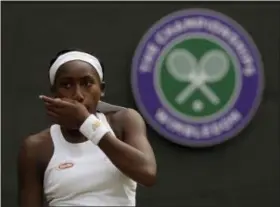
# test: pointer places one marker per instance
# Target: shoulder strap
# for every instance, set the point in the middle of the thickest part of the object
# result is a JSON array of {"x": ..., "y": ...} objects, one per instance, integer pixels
[{"x": 104, "y": 107}]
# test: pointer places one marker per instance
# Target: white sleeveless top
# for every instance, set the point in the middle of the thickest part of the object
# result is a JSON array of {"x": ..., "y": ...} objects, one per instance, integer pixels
[{"x": 82, "y": 175}]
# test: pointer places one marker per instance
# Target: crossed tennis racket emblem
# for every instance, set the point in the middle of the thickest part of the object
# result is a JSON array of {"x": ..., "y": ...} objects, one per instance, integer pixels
[{"x": 184, "y": 67}]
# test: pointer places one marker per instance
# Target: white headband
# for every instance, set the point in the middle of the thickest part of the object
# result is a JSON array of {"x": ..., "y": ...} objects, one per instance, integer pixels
[{"x": 75, "y": 55}]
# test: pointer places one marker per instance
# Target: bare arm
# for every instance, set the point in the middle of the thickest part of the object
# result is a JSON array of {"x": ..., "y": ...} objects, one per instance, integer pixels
[
  {"x": 134, "y": 157},
  {"x": 30, "y": 189}
]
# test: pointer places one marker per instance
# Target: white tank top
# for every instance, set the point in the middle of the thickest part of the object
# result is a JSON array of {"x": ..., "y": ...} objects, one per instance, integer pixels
[{"x": 82, "y": 175}]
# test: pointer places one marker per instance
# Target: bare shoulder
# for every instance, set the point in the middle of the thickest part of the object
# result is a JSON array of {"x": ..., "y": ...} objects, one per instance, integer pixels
[
  {"x": 128, "y": 120},
  {"x": 31, "y": 164},
  {"x": 37, "y": 144},
  {"x": 37, "y": 139},
  {"x": 127, "y": 115}
]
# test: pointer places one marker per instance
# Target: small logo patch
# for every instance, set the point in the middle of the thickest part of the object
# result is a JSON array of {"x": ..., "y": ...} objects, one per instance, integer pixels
[
  {"x": 65, "y": 165},
  {"x": 95, "y": 125}
]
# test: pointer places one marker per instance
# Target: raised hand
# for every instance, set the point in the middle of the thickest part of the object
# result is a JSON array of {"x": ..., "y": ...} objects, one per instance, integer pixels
[{"x": 65, "y": 112}]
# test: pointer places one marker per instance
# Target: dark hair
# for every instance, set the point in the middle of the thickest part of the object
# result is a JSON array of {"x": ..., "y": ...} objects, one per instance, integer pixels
[{"x": 70, "y": 50}]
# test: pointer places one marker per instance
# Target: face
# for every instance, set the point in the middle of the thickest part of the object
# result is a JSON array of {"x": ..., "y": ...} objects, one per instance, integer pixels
[{"x": 77, "y": 80}]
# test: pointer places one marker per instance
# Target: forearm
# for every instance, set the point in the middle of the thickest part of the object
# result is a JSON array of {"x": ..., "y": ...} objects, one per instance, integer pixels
[{"x": 129, "y": 160}]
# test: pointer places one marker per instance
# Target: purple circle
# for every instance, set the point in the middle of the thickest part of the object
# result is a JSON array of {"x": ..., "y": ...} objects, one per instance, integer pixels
[{"x": 148, "y": 101}]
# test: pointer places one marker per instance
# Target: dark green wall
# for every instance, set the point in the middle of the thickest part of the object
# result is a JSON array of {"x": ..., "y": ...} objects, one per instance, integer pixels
[{"x": 241, "y": 173}]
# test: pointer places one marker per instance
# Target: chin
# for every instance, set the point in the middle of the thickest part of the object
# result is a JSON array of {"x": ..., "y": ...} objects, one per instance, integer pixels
[{"x": 90, "y": 109}]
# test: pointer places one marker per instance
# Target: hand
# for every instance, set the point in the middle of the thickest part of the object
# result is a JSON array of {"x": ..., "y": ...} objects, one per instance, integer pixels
[{"x": 66, "y": 112}]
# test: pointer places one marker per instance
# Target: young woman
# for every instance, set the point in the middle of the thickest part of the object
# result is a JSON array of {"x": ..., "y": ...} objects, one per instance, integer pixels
[{"x": 87, "y": 158}]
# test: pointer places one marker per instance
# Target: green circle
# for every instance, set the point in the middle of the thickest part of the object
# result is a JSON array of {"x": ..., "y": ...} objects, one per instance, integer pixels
[{"x": 171, "y": 87}]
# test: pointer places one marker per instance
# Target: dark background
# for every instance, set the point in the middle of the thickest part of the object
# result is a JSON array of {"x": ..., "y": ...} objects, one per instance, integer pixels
[{"x": 243, "y": 172}]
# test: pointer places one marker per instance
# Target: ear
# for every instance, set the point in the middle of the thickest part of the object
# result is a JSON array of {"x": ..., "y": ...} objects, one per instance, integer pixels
[{"x": 102, "y": 85}]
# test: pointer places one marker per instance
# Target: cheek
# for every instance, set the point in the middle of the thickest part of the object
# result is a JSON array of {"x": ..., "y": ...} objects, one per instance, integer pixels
[
  {"x": 95, "y": 92},
  {"x": 63, "y": 93}
]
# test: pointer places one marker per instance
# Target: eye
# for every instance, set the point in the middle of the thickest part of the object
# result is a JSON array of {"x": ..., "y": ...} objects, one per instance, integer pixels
[
  {"x": 65, "y": 85},
  {"x": 87, "y": 83}
]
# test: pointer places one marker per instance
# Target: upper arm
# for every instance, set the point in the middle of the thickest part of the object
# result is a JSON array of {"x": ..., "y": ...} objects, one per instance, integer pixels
[
  {"x": 30, "y": 181},
  {"x": 134, "y": 133}
]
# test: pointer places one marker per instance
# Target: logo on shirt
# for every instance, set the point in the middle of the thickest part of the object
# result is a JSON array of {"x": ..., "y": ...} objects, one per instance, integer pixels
[
  {"x": 65, "y": 165},
  {"x": 197, "y": 77},
  {"x": 95, "y": 125}
]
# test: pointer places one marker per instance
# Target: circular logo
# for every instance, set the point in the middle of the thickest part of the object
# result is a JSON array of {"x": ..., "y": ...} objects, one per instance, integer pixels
[{"x": 197, "y": 77}]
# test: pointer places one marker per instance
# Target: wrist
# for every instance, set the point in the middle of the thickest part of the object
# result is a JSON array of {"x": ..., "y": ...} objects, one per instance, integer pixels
[
  {"x": 83, "y": 117},
  {"x": 93, "y": 129}
]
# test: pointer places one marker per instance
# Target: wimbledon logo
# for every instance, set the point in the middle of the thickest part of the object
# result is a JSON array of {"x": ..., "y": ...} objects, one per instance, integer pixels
[{"x": 197, "y": 77}]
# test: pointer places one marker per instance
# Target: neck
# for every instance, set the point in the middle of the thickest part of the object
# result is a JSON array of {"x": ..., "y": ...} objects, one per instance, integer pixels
[{"x": 74, "y": 135}]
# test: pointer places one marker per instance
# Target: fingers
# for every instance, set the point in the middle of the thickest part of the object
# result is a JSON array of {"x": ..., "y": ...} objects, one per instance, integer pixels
[
  {"x": 47, "y": 99},
  {"x": 57, "y": 102},
  {"x": 68, "y": 100},
  {"x": 52, "y": 114},
  {"x": 56, "y": 107},
  {"x": 53, "y": 108}
]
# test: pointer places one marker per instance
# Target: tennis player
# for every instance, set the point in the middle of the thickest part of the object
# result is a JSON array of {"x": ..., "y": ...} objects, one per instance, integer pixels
[{"x": 94, "y": 154}]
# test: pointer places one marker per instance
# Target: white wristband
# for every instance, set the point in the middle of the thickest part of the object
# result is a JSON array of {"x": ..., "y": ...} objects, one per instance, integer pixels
[{"x": 93, "y": 129}]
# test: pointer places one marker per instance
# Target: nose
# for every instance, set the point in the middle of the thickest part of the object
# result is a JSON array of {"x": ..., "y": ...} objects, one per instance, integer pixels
[{"x": 78, "y": 95}]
